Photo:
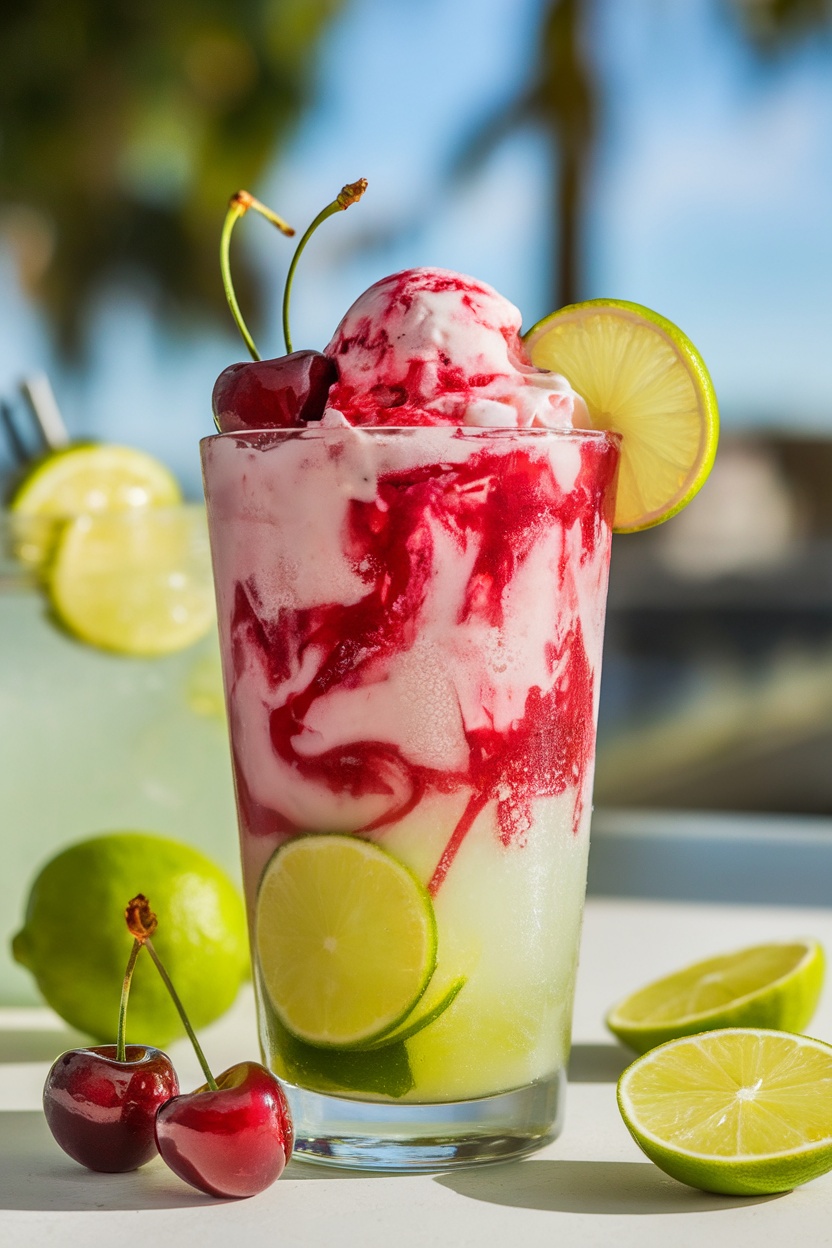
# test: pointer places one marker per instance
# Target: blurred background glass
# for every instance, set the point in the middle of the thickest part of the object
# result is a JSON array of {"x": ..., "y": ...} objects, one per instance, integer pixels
[{"x": 678, "y": 155}]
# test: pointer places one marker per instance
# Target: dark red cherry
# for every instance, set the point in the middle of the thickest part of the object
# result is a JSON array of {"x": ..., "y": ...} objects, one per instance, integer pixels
[
  {"x": 234, "y": 1141},
  {"x": 273, "y": 394},
  {"x": 101, "y": 1111}
]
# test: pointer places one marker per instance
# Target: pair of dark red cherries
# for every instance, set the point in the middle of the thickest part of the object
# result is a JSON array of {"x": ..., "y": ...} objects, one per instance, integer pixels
[{"x": 113, "y": 1107}]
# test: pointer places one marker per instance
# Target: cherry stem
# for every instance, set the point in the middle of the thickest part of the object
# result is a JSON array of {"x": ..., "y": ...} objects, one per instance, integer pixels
[
  {"x": 238, "y": 206},
  {"x": 349, "y": 194},
  {"x": 186, "y": 1022},
  {"x": 121, "y": 1053}
]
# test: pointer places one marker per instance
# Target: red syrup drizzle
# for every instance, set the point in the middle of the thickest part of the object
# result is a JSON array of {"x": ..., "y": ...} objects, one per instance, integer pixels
[{"x": 503, "y": 502}]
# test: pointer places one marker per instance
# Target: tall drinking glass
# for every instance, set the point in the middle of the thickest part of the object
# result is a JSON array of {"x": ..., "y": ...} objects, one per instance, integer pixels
[{"x": 411, "y": 625}]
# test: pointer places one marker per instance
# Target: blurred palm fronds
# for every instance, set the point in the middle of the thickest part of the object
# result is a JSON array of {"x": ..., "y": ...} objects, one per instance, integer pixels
[{"x": 125, "y": 125}]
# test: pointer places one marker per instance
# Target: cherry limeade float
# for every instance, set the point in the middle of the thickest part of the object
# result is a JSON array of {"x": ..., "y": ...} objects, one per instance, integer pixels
[{"x": 411, "y": 588}]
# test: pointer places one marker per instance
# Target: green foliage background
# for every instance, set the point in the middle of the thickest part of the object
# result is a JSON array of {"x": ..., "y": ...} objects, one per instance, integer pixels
[{"x": 125, "y": 125}]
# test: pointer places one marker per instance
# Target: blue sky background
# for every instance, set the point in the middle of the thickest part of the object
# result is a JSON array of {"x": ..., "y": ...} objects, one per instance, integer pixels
[{"x": 711, "y": 202}]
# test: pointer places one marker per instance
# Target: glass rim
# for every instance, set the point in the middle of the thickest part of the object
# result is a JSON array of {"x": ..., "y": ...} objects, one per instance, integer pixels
[{"x": 315, "y": 431}]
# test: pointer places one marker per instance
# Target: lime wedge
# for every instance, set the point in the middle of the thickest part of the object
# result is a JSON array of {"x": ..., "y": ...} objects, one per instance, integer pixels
[
  {"x": 740, "y": 1111},
  {"x": 775, "y": 985},
  {"x": 345, "y": 938},
  {"x": 640, "y": 377},
  {"x": 136, "y": 582},
  {"x": 426, "y": 1013}
]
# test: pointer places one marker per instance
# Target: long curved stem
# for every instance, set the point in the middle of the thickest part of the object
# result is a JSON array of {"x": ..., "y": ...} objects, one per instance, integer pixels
[
  {"x": 186, "y": 1022},
  {"x": 238, "y": 206},
  {"x": 349, "y": 194}
]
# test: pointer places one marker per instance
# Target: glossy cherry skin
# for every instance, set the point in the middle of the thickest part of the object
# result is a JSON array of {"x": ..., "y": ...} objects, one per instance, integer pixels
[
  {"x": 273, "y": 394},
  {"x": 102, "y": 1112},
  {"x": 233, "y": 1142}
]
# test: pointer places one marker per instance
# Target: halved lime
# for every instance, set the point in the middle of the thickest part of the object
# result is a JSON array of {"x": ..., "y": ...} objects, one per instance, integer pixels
[
  {"x": 345, "y": 937},
  {"x": 774, "y": 985},
  {"x": 741, "y": 1111},
  {"x": 643, "y": 378},
  {"x": 136, "y": 582}
]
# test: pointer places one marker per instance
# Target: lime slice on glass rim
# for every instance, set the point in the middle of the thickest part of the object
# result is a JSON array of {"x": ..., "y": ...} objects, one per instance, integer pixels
[
  {"x": 135, "y": 581},
  {"x": 773, "y": 985},
  {"x": 640, "y": 376},
  {"x": 742, "y": 1111},
  {"x": 345, "y": 937}
]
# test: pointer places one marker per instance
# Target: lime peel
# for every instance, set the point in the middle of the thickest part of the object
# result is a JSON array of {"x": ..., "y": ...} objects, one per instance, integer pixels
[{"x": 412, "y": 1026}]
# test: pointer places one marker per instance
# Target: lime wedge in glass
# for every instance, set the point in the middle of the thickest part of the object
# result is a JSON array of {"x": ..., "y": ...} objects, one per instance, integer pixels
[
  {"x": 136, "y": 582},
  {"x": 345, "y": 938},
  {"x": 775, "y": 985},
  {"x": 640, "y": 376},
  {"x": 742, "y": 1111}
]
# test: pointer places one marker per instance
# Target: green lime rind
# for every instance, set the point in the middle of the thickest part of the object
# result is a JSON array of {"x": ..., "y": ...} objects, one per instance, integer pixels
[
  {"x": 658, "y": 450},
  {"x": 412, "y": 1028},
  {"x": 684, "y": 1101},
  {"x": 774, "y": 985},
  {"x": 75, "y": 943},
  {"x": 346, "y": 940}
]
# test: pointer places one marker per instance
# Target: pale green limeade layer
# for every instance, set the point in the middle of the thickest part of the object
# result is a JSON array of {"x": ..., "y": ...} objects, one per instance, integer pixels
[{"x": 94, "y": 742}]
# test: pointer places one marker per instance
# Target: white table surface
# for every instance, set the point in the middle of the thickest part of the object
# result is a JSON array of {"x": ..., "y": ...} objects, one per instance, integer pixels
[{"x": 592, "y": 1186}]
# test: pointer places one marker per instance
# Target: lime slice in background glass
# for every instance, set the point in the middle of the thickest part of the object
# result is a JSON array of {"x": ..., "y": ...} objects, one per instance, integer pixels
[
  {"x": 641, "y": 377},
  {"x": 776, "y": 985},
  {"x": 87, "y": 478},
  {"x": 135, "y": 582},
  {"x": 740, "y": 1111},
  {"x": 345, "y": 938},
  {"x": 94, "y": 478}
]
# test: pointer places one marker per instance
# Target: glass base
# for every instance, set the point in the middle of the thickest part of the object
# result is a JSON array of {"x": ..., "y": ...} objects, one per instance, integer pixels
[{"x": 406, "y": 1137}]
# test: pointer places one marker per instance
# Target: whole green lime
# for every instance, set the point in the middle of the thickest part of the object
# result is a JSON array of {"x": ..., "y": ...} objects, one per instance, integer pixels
[{"x": 76, "y": 944}]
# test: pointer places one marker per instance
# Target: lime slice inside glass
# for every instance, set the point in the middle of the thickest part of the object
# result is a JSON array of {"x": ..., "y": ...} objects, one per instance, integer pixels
[
  {"x": 345, "y": 938},
  {"x": 643, "y": 378},
  {"x": 741, "y": 1111},
  {"x": 136, "y": 582},
  {"x": 775, "y": 985}
]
